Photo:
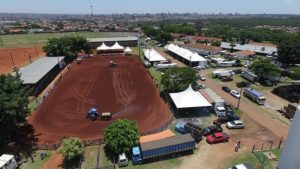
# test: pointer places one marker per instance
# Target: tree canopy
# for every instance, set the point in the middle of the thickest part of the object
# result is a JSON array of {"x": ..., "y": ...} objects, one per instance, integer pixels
[
  {"x": 177, "y": 79},
  {"x": 264, "y": 68},
  {"x": 289, "y": 50},
  {"x": 121, "y": 136},
  {"x": 71, "y": 148},
  {"x": 67, "y": 46},
  {"x": 13, "y": 108}
]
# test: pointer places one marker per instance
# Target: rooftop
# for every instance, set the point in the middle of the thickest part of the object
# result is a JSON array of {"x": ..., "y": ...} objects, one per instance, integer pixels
[
  {"x": 33, "y": 72},
  {"x": 185, "y": 53},
  {"x": 189, "y": 99},
  {"x": 157, "y": 136},
  {"x": 167, "y": 142},
  {"x": 203, "y": 47},
  {"x": 129, "y": 38}
]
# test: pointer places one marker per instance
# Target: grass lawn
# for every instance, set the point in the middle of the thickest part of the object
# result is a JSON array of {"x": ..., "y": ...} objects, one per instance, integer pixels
[
  {"x": 156, "y": 76},
  {"x": 38, "y": 163},
  {"x": 164, "y": 164},
  {"x": 245, "y": 158},
  {"x": 296, "y": 71},
  {"x": 90, "y": 157},
  {"x": 19, "y": 40},
  {"x": 104, "y": 161}
]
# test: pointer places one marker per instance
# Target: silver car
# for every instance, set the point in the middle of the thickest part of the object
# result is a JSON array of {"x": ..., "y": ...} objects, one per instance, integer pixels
[{"x": 236, "y": 124}]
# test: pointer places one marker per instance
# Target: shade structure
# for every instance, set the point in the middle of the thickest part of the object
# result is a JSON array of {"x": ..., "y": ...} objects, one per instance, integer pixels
[
  {"x": 116, "y": 46},
  {"x": 127, "y": 50},
  {"x": 103, "y": 47},
  {"x": 153, "y": 56},
  {"x": 185, "y": 53},
  {"x": 189, "y": 99}
]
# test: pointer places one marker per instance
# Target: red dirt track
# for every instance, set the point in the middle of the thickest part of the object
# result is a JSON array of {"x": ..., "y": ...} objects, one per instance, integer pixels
[
  {"x": 127, "y": 91},
  {"x": 20, "y": 56}
]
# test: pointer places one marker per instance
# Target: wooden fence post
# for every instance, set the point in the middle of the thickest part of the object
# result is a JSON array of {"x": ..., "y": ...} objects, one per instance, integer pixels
[
  {"x": 280, "y": 142},
  {"x": 262, "y": 146},
  {"x": 271, "y": 145},
  {"x": 253, "y": 148}
]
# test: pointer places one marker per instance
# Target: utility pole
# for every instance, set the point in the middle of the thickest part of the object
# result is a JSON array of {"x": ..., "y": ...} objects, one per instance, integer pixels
[
  {"x": 12, "y": 59},
  {"x": 37, "y": 54},
  {"x": 238, "y": 106},
  {"x": 92, "y": 12}
]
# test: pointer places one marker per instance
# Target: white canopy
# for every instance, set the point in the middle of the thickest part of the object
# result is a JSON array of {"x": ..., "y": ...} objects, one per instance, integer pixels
[
  {"x": 127, "y": 50},
  {"x": 116, "y": 46},
  {"x": 103, "y": 47},
  {"x": 185, "y": 53},
  {"x": 189, "y": 99},
  {"x": 153, "y": 56}
]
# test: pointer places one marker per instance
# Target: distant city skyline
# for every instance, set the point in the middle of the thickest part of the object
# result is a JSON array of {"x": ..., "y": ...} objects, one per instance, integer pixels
[{"x": 152, "y": 6}]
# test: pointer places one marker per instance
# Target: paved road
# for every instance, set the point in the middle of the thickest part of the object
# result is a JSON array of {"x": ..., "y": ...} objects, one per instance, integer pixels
[{"x": 276, "y": 127}]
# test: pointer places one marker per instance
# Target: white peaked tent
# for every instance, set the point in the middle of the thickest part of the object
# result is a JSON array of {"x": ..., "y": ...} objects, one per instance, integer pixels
[
  {"x": 127, "y": 50},
  {"x": 189, "y": 99},
  {"x": 153, "y": 56},
  {"x": 116, "y": 46},
  {"x": 103, "y": 47}
]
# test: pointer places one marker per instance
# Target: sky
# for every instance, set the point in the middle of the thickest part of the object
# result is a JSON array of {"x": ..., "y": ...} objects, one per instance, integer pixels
[{"x": 151, "y": 6}]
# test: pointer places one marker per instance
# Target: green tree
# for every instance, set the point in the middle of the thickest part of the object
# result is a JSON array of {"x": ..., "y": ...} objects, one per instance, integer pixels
[
  {"x": 67, "y": 46},
  {"x": 216, "y": 43},
  {"x": 177, "y": 79},
  {"x": 71, "y": 148},
  {"x": 264, "y": 68},
  {"x": 13, "y": 108},
  {"x": 121, "y": 136},
  {"x": 289, "y": 50}
]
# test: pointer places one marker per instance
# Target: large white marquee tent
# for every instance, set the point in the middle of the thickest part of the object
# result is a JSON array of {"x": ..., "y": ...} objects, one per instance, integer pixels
[{"x": 153, "y": 56}]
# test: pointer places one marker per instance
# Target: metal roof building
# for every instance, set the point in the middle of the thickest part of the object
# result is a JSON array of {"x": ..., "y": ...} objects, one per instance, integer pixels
[
  {"x": 35, "y": 71},
  {"x": 123, "y": 41}
]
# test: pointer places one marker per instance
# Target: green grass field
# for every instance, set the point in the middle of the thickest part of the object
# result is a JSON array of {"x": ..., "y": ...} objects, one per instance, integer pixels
[
  {"x": 38, "y": 162},
  {"x": 26, "y": 40}
]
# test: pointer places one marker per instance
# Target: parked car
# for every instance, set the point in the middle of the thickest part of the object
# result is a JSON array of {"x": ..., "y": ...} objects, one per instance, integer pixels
[
  {"x": 238, "y": 71},
  {"x": 243, "y": 84},
  {"x": 122, "y": 161},
  {"x": 242, "y": 166},
  {"x": 198, "y": 86},
  {"x": 225, "y": 119},
  {"x": 198, "y": 67},
  {"x": 217, "y": 138},
  {"x": 226, "y": 79},
  {"x": 202, "y": 77},
  {"x": 235, "y": 94},
  {"x": 236, "y": 124},
  {"x": 229, "y": 110},
  {"x": 211, "y": 129},
  {"x": 226, "y": 89}
]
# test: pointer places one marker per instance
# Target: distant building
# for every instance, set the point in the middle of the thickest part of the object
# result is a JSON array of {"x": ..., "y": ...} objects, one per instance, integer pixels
[
  {"x": 204, "y": 49},
  {"x": 195, "y": 39},
  {"x": 243, "y": 55},
  {"x": 123, "y": 41},
  {"x": 257, "y": 48},
  {"x": 40, "y": 73}
]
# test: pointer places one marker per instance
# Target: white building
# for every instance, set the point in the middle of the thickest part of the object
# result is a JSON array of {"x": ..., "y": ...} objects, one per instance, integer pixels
[
  {"x": 187, "y": 56},
  {"x": 8, "y": 162},
  {"x": 290, "y": 156}
]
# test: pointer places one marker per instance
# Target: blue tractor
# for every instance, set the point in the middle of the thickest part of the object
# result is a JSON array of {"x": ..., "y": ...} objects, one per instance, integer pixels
[{"x": 92, "y": 114}]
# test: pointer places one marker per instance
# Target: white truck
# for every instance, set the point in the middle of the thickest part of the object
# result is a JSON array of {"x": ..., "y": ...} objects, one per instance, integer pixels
[
  {"x": 220, "y": 111},
  {"x": 249, "y": 76},
  {"x": 165, "y": 66},
  {"x": 255, "y": 96}
]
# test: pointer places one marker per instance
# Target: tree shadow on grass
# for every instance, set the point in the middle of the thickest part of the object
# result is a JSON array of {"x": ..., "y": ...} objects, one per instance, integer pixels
[
  {"x": 71, "y": 164},
  {"x": 21, "y": 142}
]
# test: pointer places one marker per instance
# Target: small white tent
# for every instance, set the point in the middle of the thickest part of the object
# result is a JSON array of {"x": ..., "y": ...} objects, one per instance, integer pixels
[{"x": 127, "y": 50}]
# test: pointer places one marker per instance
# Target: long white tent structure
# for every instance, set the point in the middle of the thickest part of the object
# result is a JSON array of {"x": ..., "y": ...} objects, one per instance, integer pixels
[
  {"x": 187, "y": 54},
  {"x": 189, "y": 99},
  {"x": 267, "y": 50},
  {"x": 153, "y": 56}
]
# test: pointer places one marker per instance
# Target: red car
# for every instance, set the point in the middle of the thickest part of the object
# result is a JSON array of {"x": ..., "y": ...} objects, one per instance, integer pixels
[{"x": 217, "y": 138}]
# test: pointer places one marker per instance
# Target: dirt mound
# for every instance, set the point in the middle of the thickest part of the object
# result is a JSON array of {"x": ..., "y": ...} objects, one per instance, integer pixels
[{"x": 126, "y": 91}]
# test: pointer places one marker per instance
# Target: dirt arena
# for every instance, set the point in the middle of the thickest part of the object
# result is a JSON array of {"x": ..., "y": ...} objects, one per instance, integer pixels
[
  {"x": 127, "y": 91},
  {"x": 20, "y": 56}
]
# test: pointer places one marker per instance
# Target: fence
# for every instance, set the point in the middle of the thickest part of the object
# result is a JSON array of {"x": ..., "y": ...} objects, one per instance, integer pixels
[{"x": 158, "y": 129}]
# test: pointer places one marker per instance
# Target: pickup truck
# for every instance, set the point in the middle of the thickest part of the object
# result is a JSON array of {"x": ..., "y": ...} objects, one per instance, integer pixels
[{"x": 211, "y": 129}]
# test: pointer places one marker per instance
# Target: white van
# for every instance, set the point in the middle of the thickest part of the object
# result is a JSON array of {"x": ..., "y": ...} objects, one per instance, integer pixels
[{"x": 123, "y": 161}]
